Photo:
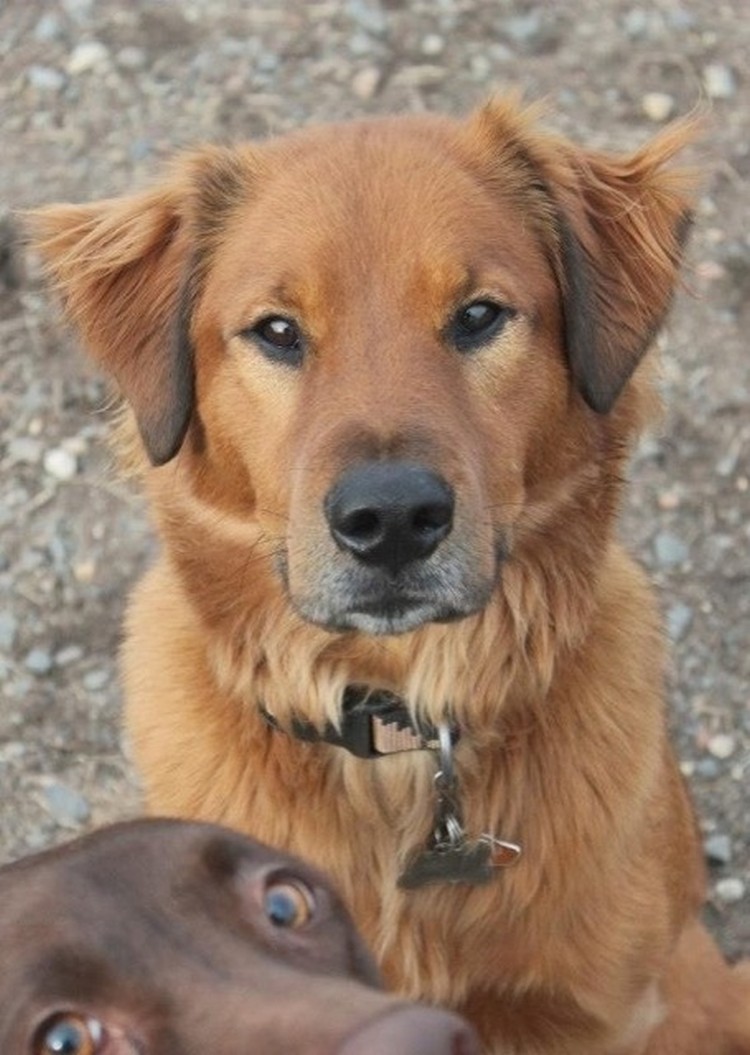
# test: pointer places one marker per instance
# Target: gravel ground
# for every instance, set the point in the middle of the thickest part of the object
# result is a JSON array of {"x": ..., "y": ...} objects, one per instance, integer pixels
[{"x": 93, "y": 93}]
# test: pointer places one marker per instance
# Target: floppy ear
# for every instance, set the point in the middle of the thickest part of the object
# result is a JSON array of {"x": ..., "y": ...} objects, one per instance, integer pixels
[
  {"x": 614, "y": 228},
  {"x": 623, "y": 224},
  {"x": 127, "y": 270}
]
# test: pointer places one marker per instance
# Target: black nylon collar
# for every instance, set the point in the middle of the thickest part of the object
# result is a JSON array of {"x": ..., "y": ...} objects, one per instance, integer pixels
[{"x": 374, "y": 723}]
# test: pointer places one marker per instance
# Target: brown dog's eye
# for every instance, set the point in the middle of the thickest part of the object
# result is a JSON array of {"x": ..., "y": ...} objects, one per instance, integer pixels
[
  {"x": 278, "y": 338},
  {"x": 69, "y": 1034},
  {"x": 288, "y": 903},
  {"x": 478, "y": 322}
]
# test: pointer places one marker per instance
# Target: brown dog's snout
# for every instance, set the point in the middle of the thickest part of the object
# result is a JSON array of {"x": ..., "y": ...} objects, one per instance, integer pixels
[
  {"x": 413, "y": 1031},
  {"x": 388, "y": 514}
]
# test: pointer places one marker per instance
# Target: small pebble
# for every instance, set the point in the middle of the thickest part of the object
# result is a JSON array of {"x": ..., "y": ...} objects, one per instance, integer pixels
[
  {"x": 679, "y": 618},
  {"x": 8, "y": 630},
  {"x": 670, "y": 550},
  {"x": 718, "y": 849},
  {"x": 681, "y": 19},
  {"x": 635, "y": 23},
  {"x": 707, "y": 768},
  {"x": 522, "y": 29},
  {"x": 366, "y": 82},
  {"x": 60, "y": 463},
  {"x": 131, "y": 58},
  {"x": 87, "y": 56},
  {"x": 25, "y": 450},
  {"x": 721, "y": 746},
  {"x": 669, "y": 500},
  {"x": 657, "y": 106},
  {"x": 730, "y": 890},
  {"x": 360, "y": 44},
  {"x": 727, "y": 465},
  {"x": 96, "y": 679},
  {"x": 433, "y": 44},
  {"x": 719, "y": 81},
  {"x": 45, "y": 79},
  {"x": 78, "y": 8},
  {"x": 481, "y": 67},
  {"x": 268, "y": 61},
  {"x": 48, "y": 28},
  {"x": 369, "y": 15},
  {"x": 140, "y": 149},
  {"x": 419, "y": 76},
  {"x": 84, "y": 570},
  {"x": 12, "y": 751},
  {"x": 38, "y": 661},
  {"x": 69, "y": 808},
  {"x": 70, "y": 654}
]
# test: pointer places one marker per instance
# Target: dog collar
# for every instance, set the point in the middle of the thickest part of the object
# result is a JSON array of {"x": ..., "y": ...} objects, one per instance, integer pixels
[{"x": 374, "y": 723}]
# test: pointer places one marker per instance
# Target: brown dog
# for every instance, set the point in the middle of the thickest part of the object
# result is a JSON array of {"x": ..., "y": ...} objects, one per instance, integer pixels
[
  {"x": 384, "y": 378},
  {"x": 168, "y": 938}
]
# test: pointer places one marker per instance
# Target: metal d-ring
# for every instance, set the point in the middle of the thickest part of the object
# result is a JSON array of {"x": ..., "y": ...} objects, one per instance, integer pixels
[
  {"x": 445, "y": 754},
  {"x": 449, "y": 831}
]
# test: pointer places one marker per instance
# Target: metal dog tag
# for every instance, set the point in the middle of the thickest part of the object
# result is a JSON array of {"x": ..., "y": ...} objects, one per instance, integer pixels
[
  {"x": 502, "y": 853},
  {"x": 462, "y": 863},
  {"x": 449, "y": 857}
]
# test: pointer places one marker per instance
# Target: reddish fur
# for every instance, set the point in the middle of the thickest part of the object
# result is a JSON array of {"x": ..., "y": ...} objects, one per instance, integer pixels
[{"x": 370, "y": 233}]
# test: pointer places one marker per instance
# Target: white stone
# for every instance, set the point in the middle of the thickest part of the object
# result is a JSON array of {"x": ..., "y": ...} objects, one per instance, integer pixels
[
  {"x": 60, "y": 464},
  {"x": 87, "y": 56},
  {"x": 718, "y": 80},
  {"x": 657, "y": 106},
  {"x": 433, "y": 44},
  {"x": 722, "y": 745},
  {"x": 365, "y": 82},
  {"x": 730, "y": 890}
]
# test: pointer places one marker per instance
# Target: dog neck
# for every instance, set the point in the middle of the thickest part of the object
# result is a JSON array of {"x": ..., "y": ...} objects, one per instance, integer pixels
[{"x": 374, "y": 723}]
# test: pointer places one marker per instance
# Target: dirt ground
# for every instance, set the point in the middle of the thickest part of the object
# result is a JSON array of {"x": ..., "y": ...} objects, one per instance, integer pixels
[{"x": 94, "y": 93}]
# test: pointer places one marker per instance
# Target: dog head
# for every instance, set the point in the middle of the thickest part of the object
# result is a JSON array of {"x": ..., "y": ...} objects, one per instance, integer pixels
[
  {"x": 398, "y": 350},
  {"x": 162, "y": 937}
]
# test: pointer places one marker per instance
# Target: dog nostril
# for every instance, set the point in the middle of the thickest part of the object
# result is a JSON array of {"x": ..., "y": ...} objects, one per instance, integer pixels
[
  {"x": 362, "y": 524},
  {"x": 433, "y": 518}
]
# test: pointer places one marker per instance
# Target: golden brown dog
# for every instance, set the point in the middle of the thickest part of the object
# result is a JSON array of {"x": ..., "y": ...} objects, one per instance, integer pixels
[{"x": 384, "y": 378}]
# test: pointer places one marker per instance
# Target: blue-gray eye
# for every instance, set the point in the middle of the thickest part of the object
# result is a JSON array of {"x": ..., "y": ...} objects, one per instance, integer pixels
[
  {"x": 478, "y": 322},
  {"x": 288, "y": 903},
  {"x": 69, "y": 1034},
  {"x": 278, "y": 338}
]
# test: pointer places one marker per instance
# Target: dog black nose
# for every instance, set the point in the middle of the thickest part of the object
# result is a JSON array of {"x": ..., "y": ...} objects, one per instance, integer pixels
[{"x": 390, "y": 513}]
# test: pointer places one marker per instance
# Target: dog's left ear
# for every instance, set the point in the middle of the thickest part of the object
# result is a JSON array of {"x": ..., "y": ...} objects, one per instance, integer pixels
[{"x": 622, "y": 225}]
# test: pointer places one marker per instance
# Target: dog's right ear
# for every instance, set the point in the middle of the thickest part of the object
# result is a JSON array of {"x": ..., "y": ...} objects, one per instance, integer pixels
[{"x": 127, "y": 270}]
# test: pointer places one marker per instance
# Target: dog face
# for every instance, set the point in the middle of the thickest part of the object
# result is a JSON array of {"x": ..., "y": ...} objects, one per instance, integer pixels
[
  {"x": 399, "y": 349},
  {"x": 161, "y": 937}
]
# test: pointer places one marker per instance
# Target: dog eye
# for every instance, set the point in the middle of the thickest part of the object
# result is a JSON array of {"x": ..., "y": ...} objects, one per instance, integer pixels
[
  {"x": 288, "y": 903},
  {"x": 278, "y": 338},
  {"x": 478, "y": 322},
  {"x": 69, "y": 1034}
]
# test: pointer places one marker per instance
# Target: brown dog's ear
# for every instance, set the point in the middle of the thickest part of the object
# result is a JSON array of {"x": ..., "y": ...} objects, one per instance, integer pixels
[
  {"x": 614, "y": 228},
  {"x": 623, "y": 224},
  {"x": 126, "y": 271}
]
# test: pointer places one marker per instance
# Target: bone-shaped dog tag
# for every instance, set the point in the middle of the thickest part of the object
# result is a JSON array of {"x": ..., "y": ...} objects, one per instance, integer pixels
[{"x": 445, "y": 863}]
